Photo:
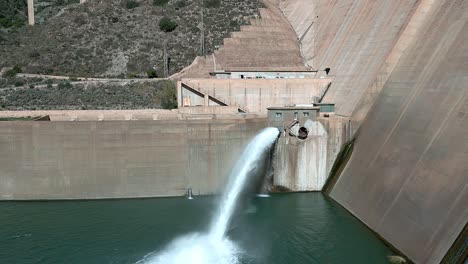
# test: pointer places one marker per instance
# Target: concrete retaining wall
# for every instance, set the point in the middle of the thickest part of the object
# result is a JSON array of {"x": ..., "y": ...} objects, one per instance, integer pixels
[
  {"x": 255, "y": 95},
  {"x": 118, "y": 159}
]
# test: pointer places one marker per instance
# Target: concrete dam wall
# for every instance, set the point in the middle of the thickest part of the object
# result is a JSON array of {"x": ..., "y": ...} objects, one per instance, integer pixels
[
  {"x": 408, "y": 176},
  {"x": 399, "y": 69},
  {"x": 118, "y": 159}
]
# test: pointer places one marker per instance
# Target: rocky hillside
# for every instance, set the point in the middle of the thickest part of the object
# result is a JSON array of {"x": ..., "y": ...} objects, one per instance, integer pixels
[{"x": 123, "y": 38}]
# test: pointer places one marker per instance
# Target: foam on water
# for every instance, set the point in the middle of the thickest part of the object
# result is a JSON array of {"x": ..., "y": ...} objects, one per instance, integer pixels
[
  {"x": 214, "y": 247},
  {"x": 196, "y": 249}
]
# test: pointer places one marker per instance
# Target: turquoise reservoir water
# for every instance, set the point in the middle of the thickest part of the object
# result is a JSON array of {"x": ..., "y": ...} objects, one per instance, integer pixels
[{"x": 288, "y": 228}]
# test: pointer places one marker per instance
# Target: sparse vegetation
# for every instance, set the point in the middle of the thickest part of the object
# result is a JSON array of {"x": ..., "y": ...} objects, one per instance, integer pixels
[
  {"x": 181, "y": 4},
  {"x": 11, "y": 73},
  {"x": 167, "y": 25},
  {"x": 130, "y": 4},
  {"x": 12, "y": 13},
  {"x": 152, "y": 73},
  {"x": 168, "y": 95},
  {"x": 160, "y": 2},
  {"x": 212, "y": 3},
  {"x": 65, "y": 95},
  {"x": 107, "y": 39}
]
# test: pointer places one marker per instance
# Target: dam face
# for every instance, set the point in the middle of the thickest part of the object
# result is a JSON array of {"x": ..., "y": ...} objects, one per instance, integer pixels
[{"x": 118, "y": 159}]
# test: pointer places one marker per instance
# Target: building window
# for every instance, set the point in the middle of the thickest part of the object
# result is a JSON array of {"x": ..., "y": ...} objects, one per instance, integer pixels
[
  {"x": 279, "y": 114},
  {"x": 306, "y": 113},
  {"x": 295, "y": 115}
]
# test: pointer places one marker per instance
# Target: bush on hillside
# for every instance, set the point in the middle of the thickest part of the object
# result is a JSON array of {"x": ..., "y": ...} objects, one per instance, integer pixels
[
  {"x": 160, "y": 2},
  {"x": 168, "y": 95},
  {"x": 181, "y": 4},
  {"x": 152, "y": 73},
  {"x": 130, "y": 4},
  {"x": 167, "y": 25},
  {"x": 11, "y": 73},
  {"x": 212, "y": 3},
  {"x": 64, "y": 85},
  {"x": 12, "y": 13}
]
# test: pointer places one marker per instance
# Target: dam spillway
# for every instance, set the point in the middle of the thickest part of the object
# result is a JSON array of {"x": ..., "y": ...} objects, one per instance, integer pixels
[{"x": 214, "y": 247}]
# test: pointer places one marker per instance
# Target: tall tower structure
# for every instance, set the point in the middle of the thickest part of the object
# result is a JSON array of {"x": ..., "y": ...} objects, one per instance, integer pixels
[{"x": 31, "y": 12}]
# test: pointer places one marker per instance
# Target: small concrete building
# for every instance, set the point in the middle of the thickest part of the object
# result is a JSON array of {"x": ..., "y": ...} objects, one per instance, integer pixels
[{"x": 284, "y": 117}]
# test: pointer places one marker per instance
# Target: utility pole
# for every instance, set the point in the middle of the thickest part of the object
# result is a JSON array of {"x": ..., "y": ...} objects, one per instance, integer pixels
[
  {"x": 165, "y": 59},
  {"x": 31, "y": 12},
  {"x": 202, "y": 30}
]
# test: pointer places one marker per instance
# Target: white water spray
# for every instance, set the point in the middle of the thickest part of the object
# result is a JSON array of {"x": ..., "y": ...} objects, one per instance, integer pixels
[
  {"x": 247, "y": 162},
  {"x": 214, "y": 247}
]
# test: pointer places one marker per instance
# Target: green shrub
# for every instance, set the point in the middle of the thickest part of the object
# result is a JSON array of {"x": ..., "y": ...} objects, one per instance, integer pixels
[
  {"x": 12, "y": 13},
  {"x": 160, "y": 2},
  {"x": 34, "y": 54},
  {"x": 181, "y": 4},
  {"x": 167, "y": 25},
  {"x": 65, "y": 85},
  {"x": 234, "y": 24},
  {"x": 168, "y": 95},
  {"x": 212, "y": 3},
  {"x": 19, "y": 83},
  {"x": 130, "y": 4},
  {"x": 11, "y": 73},
  {"x": 152, "y": 73}
]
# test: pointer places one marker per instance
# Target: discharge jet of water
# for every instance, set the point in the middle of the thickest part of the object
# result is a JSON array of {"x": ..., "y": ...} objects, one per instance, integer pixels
[
  {"x": 213, "y": 247},
  {"x": 247, "y": 163}
]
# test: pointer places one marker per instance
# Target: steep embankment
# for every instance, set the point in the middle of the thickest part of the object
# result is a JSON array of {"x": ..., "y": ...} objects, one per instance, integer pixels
[
  {"x": 122, "y": 37},
  {"x": 407, "y": 178}
]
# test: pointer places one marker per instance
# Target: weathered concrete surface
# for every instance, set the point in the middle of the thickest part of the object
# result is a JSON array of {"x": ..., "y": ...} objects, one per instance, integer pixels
[
  {"x": 301, "y": 165},
  {"x": 351, "y": 37},
  {"x": 339, "y": 131},
  {"x": 184, "y": 113},
  {"x": 304, "y": 165},
  {"x": 408, "y": 175},
  {"x": 118, "y": 159},
  {"x": 255, "y": 95}
]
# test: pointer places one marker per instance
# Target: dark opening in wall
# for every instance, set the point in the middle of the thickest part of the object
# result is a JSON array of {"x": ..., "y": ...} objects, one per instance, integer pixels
[
  {"x": 327, "y": 70},
  {"x": 303, "y": 133}
]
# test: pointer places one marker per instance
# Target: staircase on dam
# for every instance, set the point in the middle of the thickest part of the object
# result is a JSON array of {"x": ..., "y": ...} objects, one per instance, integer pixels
[
  {"x": 269, "y": 43},
  {"x": 208, "y": 96}
]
